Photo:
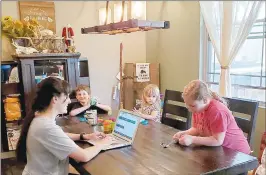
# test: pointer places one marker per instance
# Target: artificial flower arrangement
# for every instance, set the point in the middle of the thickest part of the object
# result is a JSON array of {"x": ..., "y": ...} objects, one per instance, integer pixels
[
  {"x": 30, "y": 37},
  {"x": 15, "y": 28}
]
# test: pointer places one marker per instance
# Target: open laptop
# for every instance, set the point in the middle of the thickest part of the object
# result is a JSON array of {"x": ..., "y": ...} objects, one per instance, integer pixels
[{"x": 125, "y": 130}]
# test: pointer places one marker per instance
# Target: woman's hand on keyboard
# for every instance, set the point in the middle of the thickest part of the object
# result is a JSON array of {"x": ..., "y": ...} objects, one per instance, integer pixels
[
  {"x": 105, "y": 142},
  {"x": 94, "y": 136}
]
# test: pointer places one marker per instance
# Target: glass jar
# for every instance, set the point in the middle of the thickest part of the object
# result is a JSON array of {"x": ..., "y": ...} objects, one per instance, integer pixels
[{"x": 107, "y": 126}]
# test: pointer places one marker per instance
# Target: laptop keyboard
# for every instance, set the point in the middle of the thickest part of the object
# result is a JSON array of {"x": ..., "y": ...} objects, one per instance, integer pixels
[{"x": 117, "y": 140}]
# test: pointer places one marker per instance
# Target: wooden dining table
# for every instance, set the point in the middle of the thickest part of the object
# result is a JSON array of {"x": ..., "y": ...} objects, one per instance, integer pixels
[{"x": 147, "y": 157}]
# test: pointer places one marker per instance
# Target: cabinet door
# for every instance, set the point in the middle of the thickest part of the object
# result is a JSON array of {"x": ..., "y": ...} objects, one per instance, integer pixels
[
  {"x": 51, "y": 67},
  {"x": 27, "y": 76},
  {"x": 73, "y": 73},
  {"x": 84, "y": 71},
  {"x": 3, "y": 129}
]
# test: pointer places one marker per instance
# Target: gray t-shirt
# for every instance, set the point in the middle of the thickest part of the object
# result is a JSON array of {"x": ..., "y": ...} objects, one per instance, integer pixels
[{"x": 48, "y": 148}]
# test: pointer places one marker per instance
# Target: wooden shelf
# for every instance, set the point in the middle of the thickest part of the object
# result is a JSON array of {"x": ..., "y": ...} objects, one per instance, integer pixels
[
  {"x": 14, "y": 121},
  {"x": 46, "y": 55},
  {"x": 10, "y": 88},
  {"x": 9, "y": 62}
]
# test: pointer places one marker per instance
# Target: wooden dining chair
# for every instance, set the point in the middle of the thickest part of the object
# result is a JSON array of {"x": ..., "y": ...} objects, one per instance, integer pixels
[
  {"x": 72, "y": 170},
  {"x": 175, "y": 114},
  {"x": 246, "y": 107}
]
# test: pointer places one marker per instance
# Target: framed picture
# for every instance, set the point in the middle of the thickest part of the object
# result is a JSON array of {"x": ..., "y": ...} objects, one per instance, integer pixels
[{"x": 43, "y": 12}]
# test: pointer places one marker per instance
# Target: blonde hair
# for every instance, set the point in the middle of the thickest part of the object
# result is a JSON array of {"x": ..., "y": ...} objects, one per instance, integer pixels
[
  {"x": 83, "y": 88},
  {"x": 199, "y": 90},
  {"x": 151, "y": 89}
]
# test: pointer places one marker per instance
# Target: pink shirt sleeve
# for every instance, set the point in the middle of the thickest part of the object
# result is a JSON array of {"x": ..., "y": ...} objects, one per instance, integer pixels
[{"x": 218, "y": 122}]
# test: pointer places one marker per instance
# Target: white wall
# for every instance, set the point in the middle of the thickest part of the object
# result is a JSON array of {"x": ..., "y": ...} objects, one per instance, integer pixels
[
  {"x": 102, "y": 51},
  {"x": 177, "y": 48}
]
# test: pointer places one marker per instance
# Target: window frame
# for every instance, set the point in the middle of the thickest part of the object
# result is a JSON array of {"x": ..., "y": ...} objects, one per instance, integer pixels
[{"x": 206, "y": 51}]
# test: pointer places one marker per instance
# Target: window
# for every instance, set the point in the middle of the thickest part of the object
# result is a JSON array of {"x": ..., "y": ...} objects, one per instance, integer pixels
[{"x": 248, "y": 68}]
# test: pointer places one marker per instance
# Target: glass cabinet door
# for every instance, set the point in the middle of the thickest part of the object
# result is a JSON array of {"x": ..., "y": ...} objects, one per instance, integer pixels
[{"x": 46, "y": 68}]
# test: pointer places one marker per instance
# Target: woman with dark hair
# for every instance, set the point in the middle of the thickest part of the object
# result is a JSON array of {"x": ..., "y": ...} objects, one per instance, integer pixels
[{"x": 43, "y": 144}]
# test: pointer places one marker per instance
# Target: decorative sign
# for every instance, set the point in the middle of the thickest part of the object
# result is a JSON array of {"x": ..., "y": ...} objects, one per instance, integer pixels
[
  {"x": 43, "y": 12},
  {"x": 143, "y": 72}
]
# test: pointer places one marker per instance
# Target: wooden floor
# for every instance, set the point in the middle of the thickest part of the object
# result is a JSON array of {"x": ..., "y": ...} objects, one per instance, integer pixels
[
  {"x": 9, "y": 165},
  {"x": 6, "y": 155}
]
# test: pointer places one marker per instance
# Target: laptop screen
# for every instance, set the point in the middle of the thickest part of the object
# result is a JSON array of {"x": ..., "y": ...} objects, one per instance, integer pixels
[{"x": 126, "y": 124}]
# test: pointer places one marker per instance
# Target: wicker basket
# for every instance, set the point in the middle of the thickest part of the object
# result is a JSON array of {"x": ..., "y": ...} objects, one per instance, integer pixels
[
  {"x": 52, "y": 45},
  {"x": 49, "y": 44},
  {"x": 23, "y": 41}
]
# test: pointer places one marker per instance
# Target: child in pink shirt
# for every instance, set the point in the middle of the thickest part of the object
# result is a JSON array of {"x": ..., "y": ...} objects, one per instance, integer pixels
[{"x": 213, "y": 123}]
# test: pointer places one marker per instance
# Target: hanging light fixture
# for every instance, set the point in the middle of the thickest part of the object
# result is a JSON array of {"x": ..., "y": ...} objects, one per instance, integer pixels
[
  {"x": 128, "y": 17},
  {"x": 118, "y": 10},
  {"x": 138, "y": 10},
  {"x": 102, "y": 16},
  {"x": 135, "y": 12}
]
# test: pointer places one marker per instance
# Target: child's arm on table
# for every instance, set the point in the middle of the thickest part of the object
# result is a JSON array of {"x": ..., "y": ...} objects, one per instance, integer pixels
[
  {"x": 192, "y": 131},
  {"x": 76, "y": 111},
  {"x": 94, "y": 102},
  {"x": 150, "y": 117},
  {"x": 145, "y": 116},
  {"x": 214, "y": 140},
  {"x": 104, "y": 107}
]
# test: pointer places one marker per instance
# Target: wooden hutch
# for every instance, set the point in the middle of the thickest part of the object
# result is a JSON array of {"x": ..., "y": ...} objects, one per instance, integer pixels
[{"x": 32, "y": 69}]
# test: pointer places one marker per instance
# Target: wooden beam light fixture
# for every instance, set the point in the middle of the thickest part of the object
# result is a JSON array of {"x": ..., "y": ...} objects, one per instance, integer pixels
[{"x": 128, "y": 26}]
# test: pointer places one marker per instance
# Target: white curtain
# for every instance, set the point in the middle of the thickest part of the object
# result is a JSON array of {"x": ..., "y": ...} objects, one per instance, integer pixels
[{"x": 228, "y": 24}]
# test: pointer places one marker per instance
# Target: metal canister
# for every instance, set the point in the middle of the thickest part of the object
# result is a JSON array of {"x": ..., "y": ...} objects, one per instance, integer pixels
[{"x": 92, "y": 117}]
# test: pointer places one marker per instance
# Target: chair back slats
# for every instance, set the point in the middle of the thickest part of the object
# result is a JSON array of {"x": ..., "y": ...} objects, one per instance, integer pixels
[
  {"x": 175, "y": 109},
  {"x": 174, "y": 95},
  {"x": 244, "y": 124},
  {"x": 181, "y": 125},
  {"x": 247, "y": 107},
  {"x": 242, "y": 106}
]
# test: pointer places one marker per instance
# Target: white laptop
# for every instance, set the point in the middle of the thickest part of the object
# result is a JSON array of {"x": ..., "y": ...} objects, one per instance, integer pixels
[{"x": 125, "y": 130}]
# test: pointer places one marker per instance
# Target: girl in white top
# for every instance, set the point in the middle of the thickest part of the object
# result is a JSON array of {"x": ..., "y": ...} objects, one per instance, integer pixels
[
  {"x": 150, "y": 105},
  {"x": 43, "y": 144}
]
